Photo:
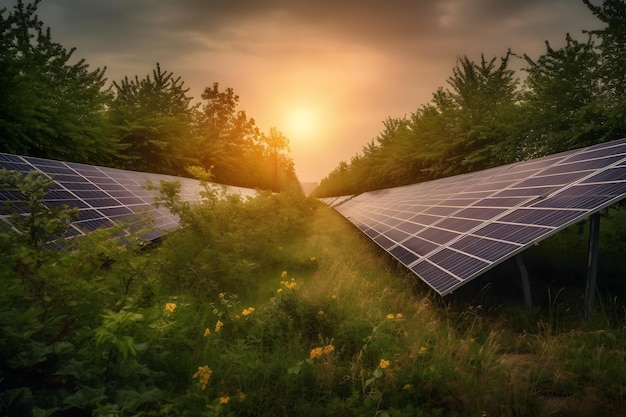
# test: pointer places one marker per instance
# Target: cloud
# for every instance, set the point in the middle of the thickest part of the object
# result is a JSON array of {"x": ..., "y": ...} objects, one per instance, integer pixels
[{"x": 361, "y": 61}]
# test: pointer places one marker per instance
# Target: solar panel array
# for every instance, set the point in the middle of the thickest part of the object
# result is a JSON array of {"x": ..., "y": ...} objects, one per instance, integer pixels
[
  {"x": 103, "y": 196},
  {"x": 451, "y": 230}
]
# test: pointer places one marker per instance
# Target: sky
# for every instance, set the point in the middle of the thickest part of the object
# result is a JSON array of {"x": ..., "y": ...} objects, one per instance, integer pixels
[{"x": 326, "y": 73}]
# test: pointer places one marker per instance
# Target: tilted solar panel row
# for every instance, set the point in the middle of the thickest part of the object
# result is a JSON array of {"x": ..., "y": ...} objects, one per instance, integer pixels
[
  {"x": 451, "y": 230},
  {"x": 104, "y": 196}
]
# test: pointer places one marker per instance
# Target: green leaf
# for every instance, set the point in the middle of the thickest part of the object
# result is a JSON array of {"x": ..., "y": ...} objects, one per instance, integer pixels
[
  {"x": 86, "y": 398},
  {"x": 40, "y": 412}
]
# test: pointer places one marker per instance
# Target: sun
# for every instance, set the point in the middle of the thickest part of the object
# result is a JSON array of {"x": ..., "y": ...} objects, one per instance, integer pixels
[{"x": 301, "y": 123}]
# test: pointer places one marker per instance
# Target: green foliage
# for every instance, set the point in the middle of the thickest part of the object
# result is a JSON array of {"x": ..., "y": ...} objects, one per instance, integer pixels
[
  {"x": 153, "y": 120},
  {"x": 50, "y": 107},
  {"x": 227, "y": 238}
]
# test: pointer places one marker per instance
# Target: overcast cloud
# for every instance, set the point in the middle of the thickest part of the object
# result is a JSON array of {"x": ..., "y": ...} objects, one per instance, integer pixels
[{"x": 353, "y": 63}]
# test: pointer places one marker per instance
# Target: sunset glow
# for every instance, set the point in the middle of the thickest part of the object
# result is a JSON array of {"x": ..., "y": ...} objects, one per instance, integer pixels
[{"x": 302, "y": 124}]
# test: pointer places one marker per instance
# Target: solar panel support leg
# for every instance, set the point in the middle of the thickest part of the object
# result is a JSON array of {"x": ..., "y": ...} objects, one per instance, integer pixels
[
  {"x": 525, "y": 282},
  {"x": 592, "y": 264}
]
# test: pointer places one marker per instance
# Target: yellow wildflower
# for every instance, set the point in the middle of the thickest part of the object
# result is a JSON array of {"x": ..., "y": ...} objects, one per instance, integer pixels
[
  {"x": 221, "y": 295},
  {"x": 334, "y": 297},
  {"x": 383, "y": 364},
  {"x": 283, "y": 274},
  {"x": 240, "y": 396},
  {"x": 423, "y": 350},
  {"x": 316, "y": 353},
  {"x": 170, "y": 307},
  {"x": 320, "y": 313},
  {"x": 203, "y": 374},
  {"x": 399, "y": 316},
  {"x": 247, "y": 311},
  {"x": 319, "y": 351},
  {"x": 391, "y": 316},
  {"x": 279, "y": 290},
  {"x": 207, "y": 332},
  {"x": 218, "y": 326},
  {"x": 224, "y": 400},
  {"x": 289, "y": 285}
]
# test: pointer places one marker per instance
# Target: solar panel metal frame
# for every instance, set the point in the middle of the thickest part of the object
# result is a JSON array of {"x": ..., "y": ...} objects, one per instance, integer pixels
[
  {"x": 106, "y": 196},
  {"x": 452, "y": 230}
]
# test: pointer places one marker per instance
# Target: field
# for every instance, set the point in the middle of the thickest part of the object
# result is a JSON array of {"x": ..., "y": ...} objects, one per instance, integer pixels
[{"x": 279, "y": 307}]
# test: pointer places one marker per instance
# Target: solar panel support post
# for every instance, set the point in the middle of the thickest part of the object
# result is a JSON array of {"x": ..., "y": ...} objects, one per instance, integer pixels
[
  {"x": 592, "y": 264},
  {"x": 525, "y": 282}
]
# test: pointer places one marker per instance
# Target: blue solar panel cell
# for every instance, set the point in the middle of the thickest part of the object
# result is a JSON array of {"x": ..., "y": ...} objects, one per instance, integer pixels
[
  {"x": 504, "y": 202},
  {"x": 403, "y": 255},
  {"x": 488, "y": 249},
  {"x": 5, "y": 157},
  {"x": 558, "y": 179},
  {"x": 436, "y": 235},
  {"x": 542, "y": 217},
  {"x": 419, "y": 245},
  {"x": 438, "y": 279},
  {"x": 17, "y": 166},
  {"x": 602, "y": 150},
  {"x": 115, "y": 211},
  {"x": 397, "y": 235},
  {"x": 512, "y": 232},
  {"x": 526, "y": 192},
  {"x": 609, "y": 175},
  {"x": 383, "y": 241},
  {"x": 457, "y": 263},
  {"x": 458, "y": 224}
]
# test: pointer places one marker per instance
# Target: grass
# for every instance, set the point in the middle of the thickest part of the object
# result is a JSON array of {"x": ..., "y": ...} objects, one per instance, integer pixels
[{"x": 450, "y": 360}]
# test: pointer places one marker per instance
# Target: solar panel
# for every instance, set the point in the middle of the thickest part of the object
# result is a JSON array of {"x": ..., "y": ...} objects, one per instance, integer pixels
[
  {"x": 105, "y": 196},
  {"x": 335, "y": 201},
  {"x": 451, "y": 230}
]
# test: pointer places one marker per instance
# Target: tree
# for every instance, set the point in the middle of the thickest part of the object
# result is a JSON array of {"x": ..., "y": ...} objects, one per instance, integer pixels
[
  {"x": 276, "y": 143},
  {"x": 49, "y": 107},
  {"x": 153, "y": 119},
  {"x": 612, "y": 65},
  {"x": 478, "y": 110},
  {"x": 227, "y": 136},
  {"x": 561, "y": 107}
]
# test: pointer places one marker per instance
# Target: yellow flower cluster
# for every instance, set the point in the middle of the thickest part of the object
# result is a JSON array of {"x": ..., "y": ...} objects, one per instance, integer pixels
[
  {"x": 384, "y": 363},
  {"x": 289, "y": 285},
  {"x": 218, "y": 326},
  {"x": 247, "y": 311},
  {"x": 224, "y": 400},
  {"x": 203, "y": 374},
  {"x": 395, "y": 316},
  {"x": 170, "y": 307},
  {"x": 207, "y": 332},
  {"x": 318, "y": 352}
]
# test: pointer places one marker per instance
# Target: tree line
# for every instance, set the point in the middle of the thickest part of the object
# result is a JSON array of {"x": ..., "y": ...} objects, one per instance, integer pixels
[
  {"x": 570, "y": 97},
  {"x": 53, "y": 106}
]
